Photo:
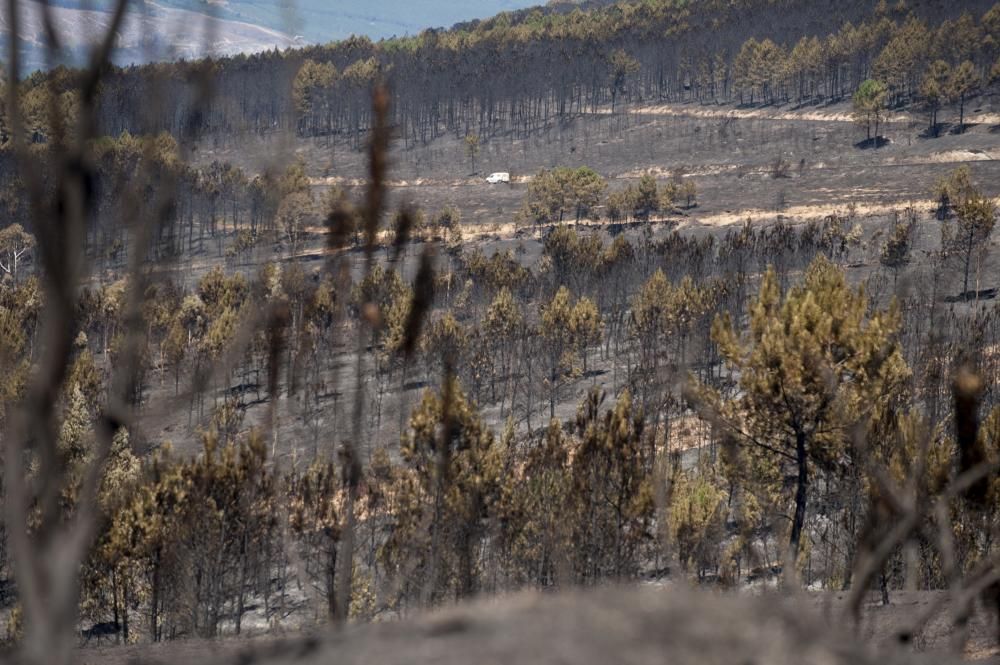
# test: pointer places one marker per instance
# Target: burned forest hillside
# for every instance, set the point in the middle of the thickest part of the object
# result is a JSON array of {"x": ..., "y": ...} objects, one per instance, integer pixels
[{"x": 656, "y": 293}]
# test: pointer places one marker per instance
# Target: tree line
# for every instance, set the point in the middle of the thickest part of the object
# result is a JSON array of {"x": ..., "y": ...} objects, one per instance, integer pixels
[
  {"x": 217, "y": 210},
  {"x": 466, "y": 81},
  {"x": 552, "y": 193}
]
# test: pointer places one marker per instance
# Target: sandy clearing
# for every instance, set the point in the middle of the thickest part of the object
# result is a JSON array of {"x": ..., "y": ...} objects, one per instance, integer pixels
[
  {"x": 687, "y": 172},
  {"x": 948, "y": 157},
  {"x": 772, "y": 113},
  {"x": 767, "y": 113},
  {"x": 810, "y": 212},
  {"x": 794, "y": 214},
  {"x": 340, "y": 181},
  {"x": 983, "y": 119}
]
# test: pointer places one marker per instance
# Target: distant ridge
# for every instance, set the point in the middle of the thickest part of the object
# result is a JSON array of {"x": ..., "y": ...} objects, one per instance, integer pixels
[{"x": 162, "y": 30}]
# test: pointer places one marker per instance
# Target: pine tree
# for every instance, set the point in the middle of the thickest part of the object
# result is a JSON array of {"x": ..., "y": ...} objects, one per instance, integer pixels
[
  {"x": 556, "y": 328},
  {"x": 448, "y": 490},
  {"x": 472, "y": 149},
  {"x": 934, "y": 90},
  {"x": 502, "y": 325},
  {"x": 814, "y": 367},
  {"x": 315, "y": 515},
  {"x": 647, "y": 199},
  {"x": 611, "y": 484},
  {"x": 535, "y": 504},
  {"x": 896, "y": 250},
  {"x": 870, "y": 107},
  {"x": 621, "y": 66},
  {"x": 964, "y": 81},
  {"x": 696, "y": 518},
  {"x": 970, "y": 234}
]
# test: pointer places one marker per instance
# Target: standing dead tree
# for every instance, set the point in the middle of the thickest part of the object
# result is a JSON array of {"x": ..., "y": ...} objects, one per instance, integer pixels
[
  {"x": 48, "y": 557},
  {"x": 48, "y": 546},
  {"x": 60, "y": 181},
  {"x": 906, "y": 514}
]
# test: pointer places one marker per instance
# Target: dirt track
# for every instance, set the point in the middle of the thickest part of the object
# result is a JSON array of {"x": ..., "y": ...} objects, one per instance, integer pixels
[{"x": 836, "y": 113}]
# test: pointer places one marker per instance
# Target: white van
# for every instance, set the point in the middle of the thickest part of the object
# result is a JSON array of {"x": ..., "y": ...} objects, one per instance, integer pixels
[{"x": 497, "y": 178}]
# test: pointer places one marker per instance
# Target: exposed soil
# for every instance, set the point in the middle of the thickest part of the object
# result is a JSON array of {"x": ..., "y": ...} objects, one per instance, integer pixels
[{"x": 729, "y": 152}]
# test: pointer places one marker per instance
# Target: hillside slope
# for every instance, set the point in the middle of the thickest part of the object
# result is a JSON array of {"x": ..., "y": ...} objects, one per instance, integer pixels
[{"x": 759, "y": 51}]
